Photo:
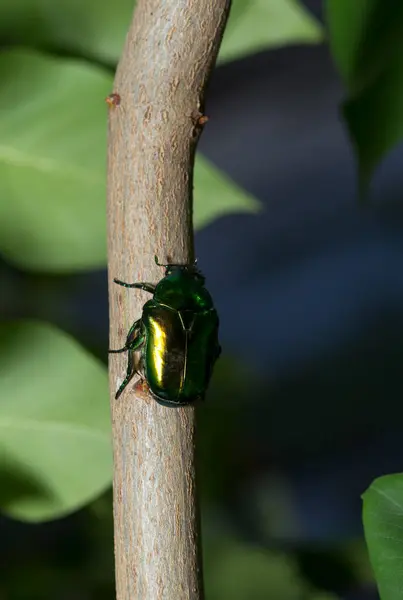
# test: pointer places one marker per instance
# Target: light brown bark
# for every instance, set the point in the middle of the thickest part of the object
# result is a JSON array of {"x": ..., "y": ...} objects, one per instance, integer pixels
[{"x": 169, "y": 53}]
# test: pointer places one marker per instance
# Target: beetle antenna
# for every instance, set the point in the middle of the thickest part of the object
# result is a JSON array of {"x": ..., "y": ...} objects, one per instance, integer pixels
[
  {"x": 172, "y": 264},
  {"x": 158, "y": 263}
]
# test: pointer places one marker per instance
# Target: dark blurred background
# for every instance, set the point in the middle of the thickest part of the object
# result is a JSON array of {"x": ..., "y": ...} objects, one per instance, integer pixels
[{"x": 305, "y": 408}]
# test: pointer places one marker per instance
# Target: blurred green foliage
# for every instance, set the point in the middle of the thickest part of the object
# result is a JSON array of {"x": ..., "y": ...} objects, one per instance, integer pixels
[
  {"x": 95, "y": 30},
  {"x": 366, "y": 38},
  {"x": 52, "y": 162},
  {"x": 54, "y": 419}
]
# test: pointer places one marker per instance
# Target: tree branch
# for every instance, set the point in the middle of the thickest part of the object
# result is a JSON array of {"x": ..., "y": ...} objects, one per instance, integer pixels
[{"x": 170, "y": 51}]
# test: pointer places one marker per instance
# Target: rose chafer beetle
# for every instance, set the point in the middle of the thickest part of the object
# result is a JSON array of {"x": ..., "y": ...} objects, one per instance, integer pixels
[{"x": 174, "y": 345}]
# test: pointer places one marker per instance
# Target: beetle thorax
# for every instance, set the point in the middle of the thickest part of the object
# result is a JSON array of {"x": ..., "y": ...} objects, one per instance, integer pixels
[{"x": 183, "y": 289}]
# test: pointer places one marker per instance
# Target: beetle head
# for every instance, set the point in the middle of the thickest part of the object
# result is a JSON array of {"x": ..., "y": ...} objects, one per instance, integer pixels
[{"x": 191, "y": 269}]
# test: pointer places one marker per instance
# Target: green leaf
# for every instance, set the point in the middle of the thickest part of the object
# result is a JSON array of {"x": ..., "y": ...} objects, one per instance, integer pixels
[
  {"x": 375, "y": 119},
  {"x": 95, "y": 29},
  {"x": 55, "y": 452},
  {"x": 52, "y": 162},
  {"x": 217, "y": 195},
  {"x": 383, "y": 525},
  {"x": 366, "y": 38},
  {"x": 255, "y": 25}
]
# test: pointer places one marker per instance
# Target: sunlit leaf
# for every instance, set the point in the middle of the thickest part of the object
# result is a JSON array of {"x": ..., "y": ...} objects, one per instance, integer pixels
[
  {"x": 255, "y": 25},
  {"x": 95, "y": 29},
  {"x": 52, "y": 162},
  {"x": 55, "y": 451},
  {"x": 217, "y": 195}
]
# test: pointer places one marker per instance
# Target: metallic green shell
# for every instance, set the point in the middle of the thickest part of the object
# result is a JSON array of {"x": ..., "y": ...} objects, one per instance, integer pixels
[{"x": 180, "y": 350}]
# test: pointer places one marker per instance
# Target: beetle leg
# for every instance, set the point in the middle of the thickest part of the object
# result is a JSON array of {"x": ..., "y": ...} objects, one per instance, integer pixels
[
  {"x": 132, "y": 362},
  {"x": 131, "y": 336},
  {"x": 147, "y": 287},
  {"x": 124, "y": 349},
  {"x": 130, "y": 373}
]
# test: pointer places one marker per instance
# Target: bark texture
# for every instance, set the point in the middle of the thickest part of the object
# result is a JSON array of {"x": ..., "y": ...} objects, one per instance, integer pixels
[{"x": 170, "y": 50}]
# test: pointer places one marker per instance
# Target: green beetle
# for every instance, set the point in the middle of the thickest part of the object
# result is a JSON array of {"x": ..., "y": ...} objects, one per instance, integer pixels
[{"x": 174, "y": 345}]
